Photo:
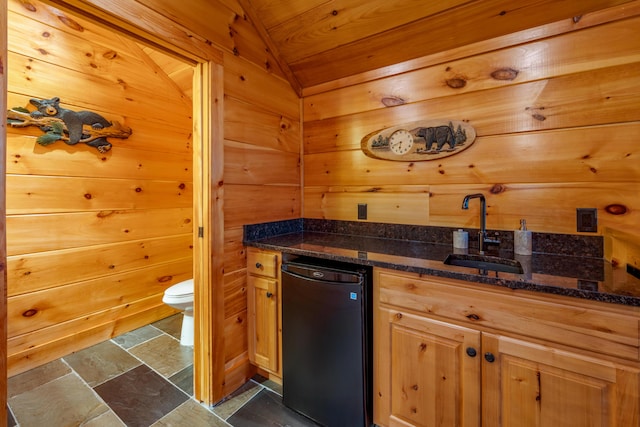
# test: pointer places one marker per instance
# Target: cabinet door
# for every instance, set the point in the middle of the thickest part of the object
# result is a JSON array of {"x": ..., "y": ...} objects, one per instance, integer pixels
[
  {"x": 427, "y": 372},
  {"x": 527, "y": 385},
  {"x": 262, "y": 302}
]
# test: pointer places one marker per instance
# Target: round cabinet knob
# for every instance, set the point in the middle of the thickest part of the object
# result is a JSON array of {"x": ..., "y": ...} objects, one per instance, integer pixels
[
  {"x": 258, "y": 265},
  {"x": 269, "y": 294},
  {"x": 489, "y": 357},
  {"x": 471, "y": 352}
]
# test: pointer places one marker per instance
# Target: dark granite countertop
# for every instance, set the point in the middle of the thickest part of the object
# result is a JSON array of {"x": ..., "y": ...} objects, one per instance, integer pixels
[{"x": 552, "y": 268}]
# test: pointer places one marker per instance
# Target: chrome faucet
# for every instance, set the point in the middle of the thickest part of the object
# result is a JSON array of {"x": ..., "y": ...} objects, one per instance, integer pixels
[{"x": 482, "y": 234}]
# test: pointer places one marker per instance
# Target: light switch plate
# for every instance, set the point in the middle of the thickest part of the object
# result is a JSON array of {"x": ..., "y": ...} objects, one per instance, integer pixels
[{"x": 362, "y": 211}]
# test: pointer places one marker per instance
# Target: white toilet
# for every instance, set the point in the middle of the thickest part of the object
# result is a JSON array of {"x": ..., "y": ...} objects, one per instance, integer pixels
[{"x": 180, "y": 296}]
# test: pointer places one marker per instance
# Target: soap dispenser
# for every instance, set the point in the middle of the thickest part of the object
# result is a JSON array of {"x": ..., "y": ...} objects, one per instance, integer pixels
[
  {"x": 522, "y": 239},
  {"x": 460, "y": 239}
]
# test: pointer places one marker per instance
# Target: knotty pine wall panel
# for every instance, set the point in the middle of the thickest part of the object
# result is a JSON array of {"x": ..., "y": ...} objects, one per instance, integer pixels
[
  {"x": 33, "y": 271},
  {"x": 83, "y": 332},
  {"x": 94, "y": 238},
  {"x": 252, "y": 164},
  {"x": 251, "y": 204},
  {"x": 47, "y": 232},
  {"x": 557, "y": 129},
  {"x": 549, "y": 206},
  {"x": 235, "y": 293},
  {"x": 234, "y": 250},
  {"x": 583, "y": 154},
  {"x": 141, "y": 103},
  {"x": 247, "y": 82},
  {"x": 262, "y": 174},
  {"x": 250, "y": 124},
  {"x": 591, "y": 48},
  {"x": 37, "y": 194},
  {"x": 601, "y": 96},
  {"x": 44, "y": 308},
  {"x": 236, "y": 326},
  {"x": 24, "y": 156},
  {"x": 399, "y": 204}
]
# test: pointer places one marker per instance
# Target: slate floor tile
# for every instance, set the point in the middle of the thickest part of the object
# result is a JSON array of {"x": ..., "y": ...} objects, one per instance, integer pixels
[
  {"x": 108, "y": 419},
  {"x": 36, "y": 377},
  {"x": 190, "y": 414},
  {"x": 184, "y": 380},
  {"x": 140, "y": 397},
  {"x": 11, "y": 422},
  {"x": 164, "y": 354},
  {"x": 233, "y": 402},
  {"x": 101, "y": 362},
  {"x": 270, "y": 384},
  {"x": 266, "y": 409},
  {"x": 65, "y": 401},
  {"x": 136, "y": 336},
  {"x": 171, "y": 325}
]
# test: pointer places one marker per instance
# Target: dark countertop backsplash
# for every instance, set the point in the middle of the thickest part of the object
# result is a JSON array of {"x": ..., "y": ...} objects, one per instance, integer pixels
[{"x": 562, "y": 264}]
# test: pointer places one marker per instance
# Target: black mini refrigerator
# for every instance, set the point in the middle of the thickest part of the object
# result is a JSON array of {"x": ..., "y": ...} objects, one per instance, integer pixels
[{"x": 327, "y": 341}]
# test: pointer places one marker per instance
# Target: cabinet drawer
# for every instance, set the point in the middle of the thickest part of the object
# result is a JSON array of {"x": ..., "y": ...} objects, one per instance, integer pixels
[{"x": 263, "y": 263}]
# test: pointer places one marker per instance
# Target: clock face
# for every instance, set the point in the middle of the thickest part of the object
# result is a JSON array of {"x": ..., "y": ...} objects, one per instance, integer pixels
[{"x": 401, "y": 141}]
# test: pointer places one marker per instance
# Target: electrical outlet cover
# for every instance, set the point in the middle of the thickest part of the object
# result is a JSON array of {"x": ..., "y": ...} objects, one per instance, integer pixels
[{"x": 587, "y": 220}]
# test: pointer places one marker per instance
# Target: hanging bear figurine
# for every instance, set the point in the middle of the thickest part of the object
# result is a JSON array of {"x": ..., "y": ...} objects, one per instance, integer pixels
[
  {"x": 74, "y": 121},
  {"x": 67, "y": 125}
]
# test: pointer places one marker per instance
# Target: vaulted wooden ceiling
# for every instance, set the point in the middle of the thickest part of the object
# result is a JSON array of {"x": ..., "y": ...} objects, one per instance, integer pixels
[{"x": 317, "y": 41}]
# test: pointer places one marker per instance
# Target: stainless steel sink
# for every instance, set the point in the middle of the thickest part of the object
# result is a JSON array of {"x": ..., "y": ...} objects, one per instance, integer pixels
[{"x": 485, "y": 262}]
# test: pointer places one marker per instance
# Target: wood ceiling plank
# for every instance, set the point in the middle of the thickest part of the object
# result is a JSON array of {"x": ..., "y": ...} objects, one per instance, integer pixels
[
  {"x": 621, "y": 12},
  {"x": 274, "y": 12},
  {"x": 223, "y": 27},
  {"x": 487, "y": 18},
  {"x": 208, "y": 19},
  {"x": 144, "y": 24},
  {"x": 341, "y": 22},
  {"x": 266, "y": 39}
]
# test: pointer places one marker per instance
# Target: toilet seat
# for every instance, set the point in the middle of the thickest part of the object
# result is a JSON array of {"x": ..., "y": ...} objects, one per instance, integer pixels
[
  {"x": 180, "y": 289},
  {"x": 179, "y": 293}
]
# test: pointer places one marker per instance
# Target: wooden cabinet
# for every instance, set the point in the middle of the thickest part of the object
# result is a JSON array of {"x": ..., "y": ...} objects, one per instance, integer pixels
[
  {"x": 531, "y": 385},
  {"x": 450, "y": 353},
  {"x": 423, "y": 366},
  {"x": 263, "y": 303}
]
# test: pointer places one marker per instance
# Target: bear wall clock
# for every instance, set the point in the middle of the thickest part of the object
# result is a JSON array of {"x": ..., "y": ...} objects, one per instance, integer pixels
[
  {"x": 422, "y": 140},
  {"x": 62, "y": 124}
]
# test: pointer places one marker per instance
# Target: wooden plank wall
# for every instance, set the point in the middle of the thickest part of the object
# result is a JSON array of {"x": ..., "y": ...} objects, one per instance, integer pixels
[
  {"x": 3, "y": 247},
  {"x": 562, "y": 134},
  {"x": 261, "y": 183},
  {"x": 93, "y": 239},
  {"x": 261, "y": 126},
  {"x": 262, "y": 141}
]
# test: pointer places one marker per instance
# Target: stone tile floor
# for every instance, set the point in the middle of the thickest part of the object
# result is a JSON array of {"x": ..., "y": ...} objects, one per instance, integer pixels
[{"x": 142, "y": 378}]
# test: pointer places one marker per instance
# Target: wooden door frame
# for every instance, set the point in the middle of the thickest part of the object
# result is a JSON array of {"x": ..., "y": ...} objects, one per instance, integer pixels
[
  {"x": 124, "y": 17},
  {"x": 3, "y": 234},
  {"x": 208, "y": 167}
]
